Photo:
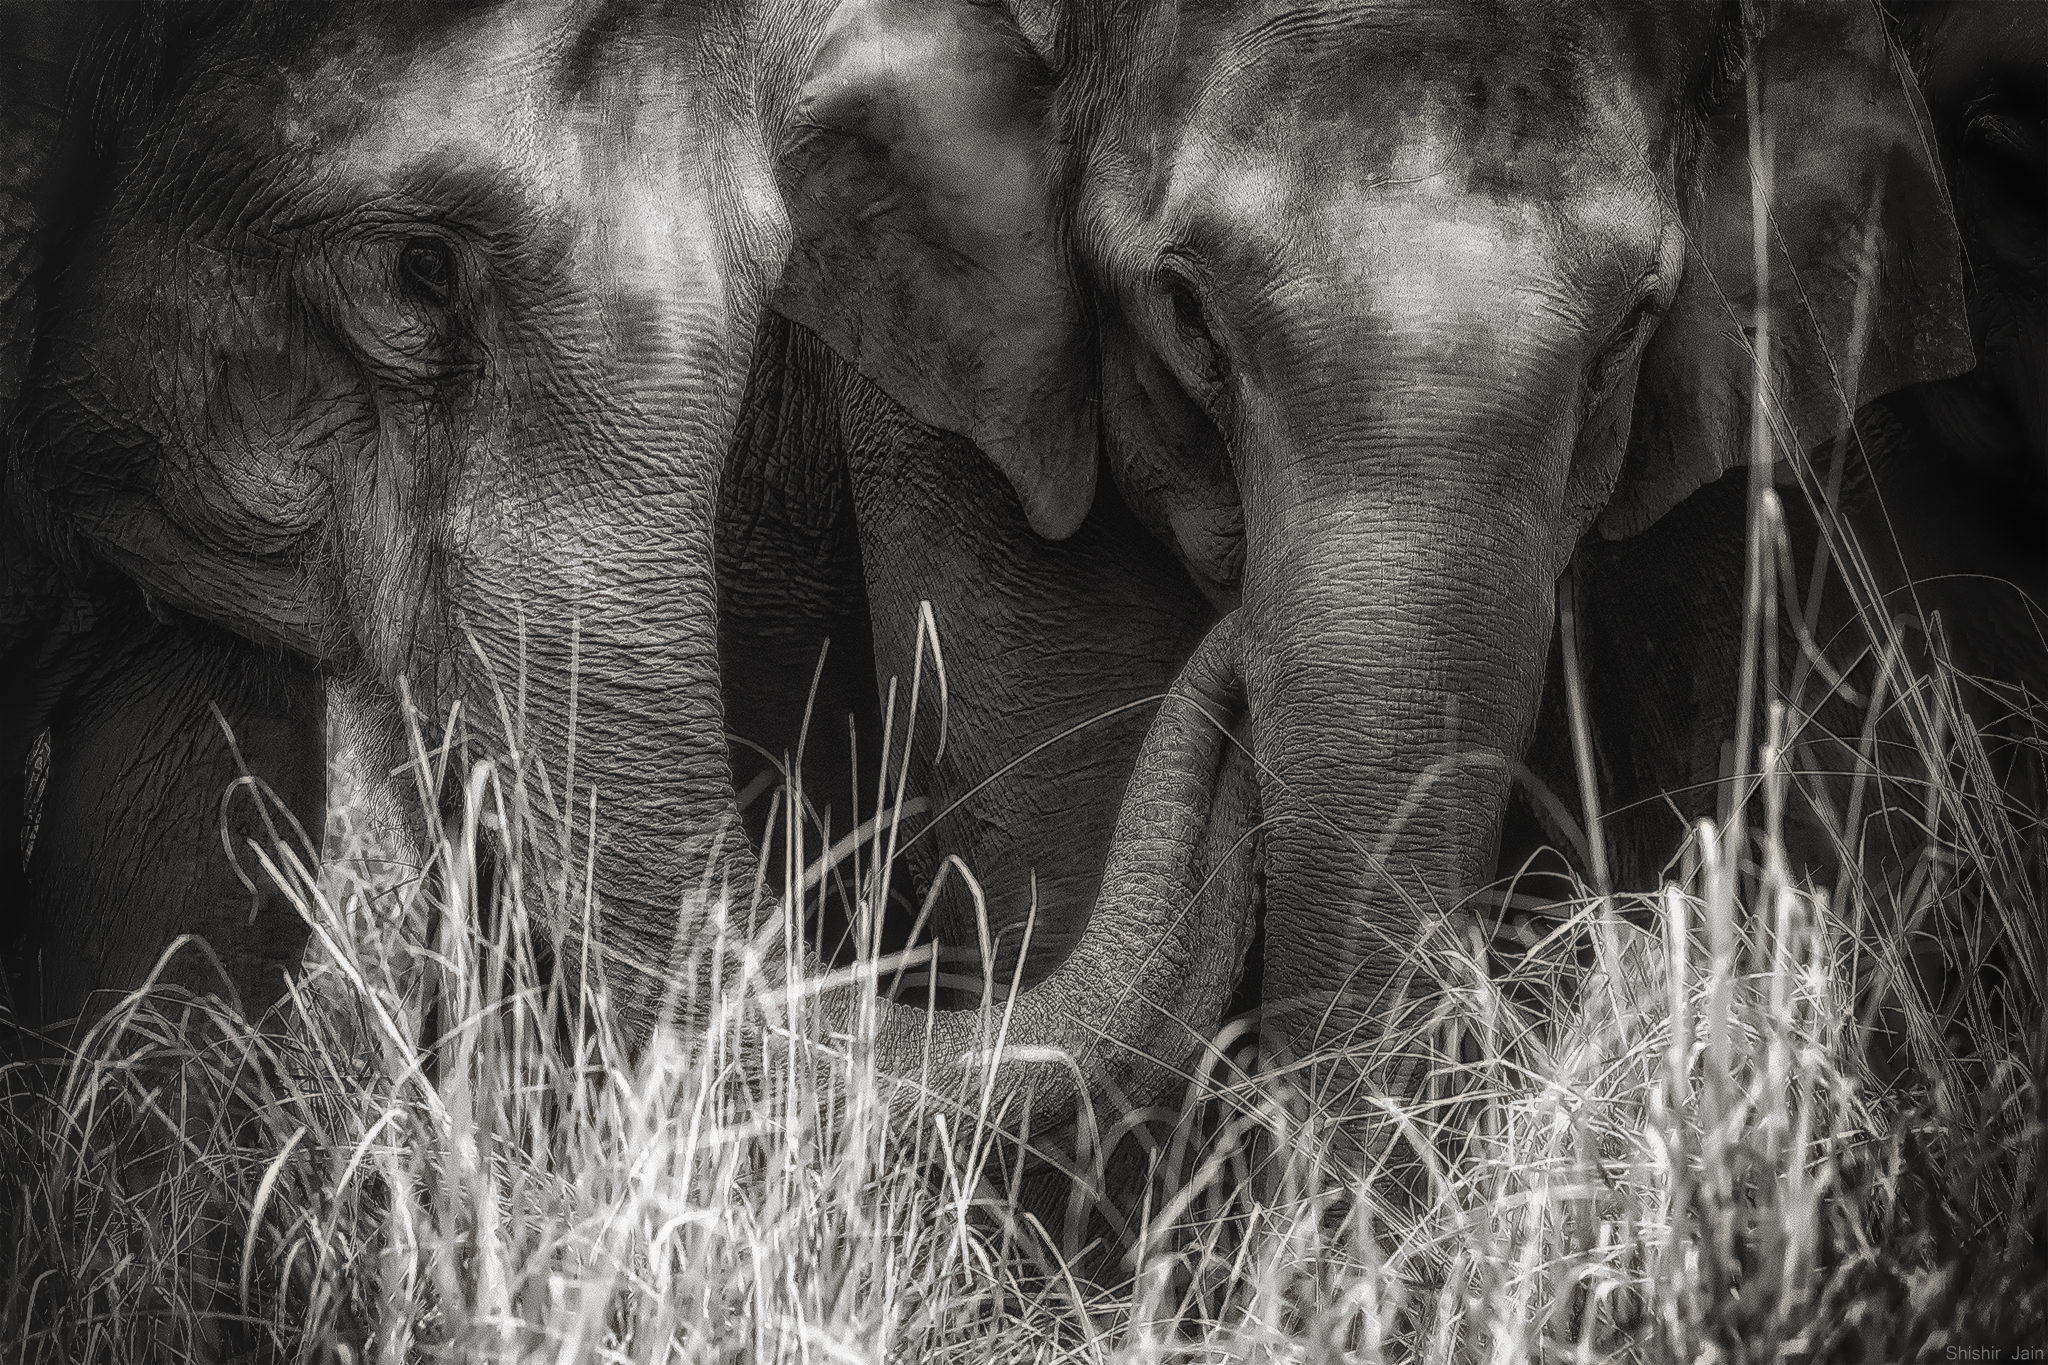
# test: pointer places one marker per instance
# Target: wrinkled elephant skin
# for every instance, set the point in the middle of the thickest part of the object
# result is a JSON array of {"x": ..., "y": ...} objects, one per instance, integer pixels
[
  {"x": 393, "y": 359},
  {"x": 1943, "y": 489},
  {"x": 1393, "y": 305}
]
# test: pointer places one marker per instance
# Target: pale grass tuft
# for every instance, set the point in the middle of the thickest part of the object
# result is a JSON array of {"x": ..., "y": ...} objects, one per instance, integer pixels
[{"x": 1663, "y": 1132}]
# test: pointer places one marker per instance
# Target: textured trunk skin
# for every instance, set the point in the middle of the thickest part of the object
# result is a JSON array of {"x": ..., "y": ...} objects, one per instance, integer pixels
[
  {"x": 1042, "y": 640},
  {"x": 1390, "y": 693},
  {"x": 1403, "y": 482},
  {"x": 648, "y": 737},
  {"x": 1150, "y": 975}
]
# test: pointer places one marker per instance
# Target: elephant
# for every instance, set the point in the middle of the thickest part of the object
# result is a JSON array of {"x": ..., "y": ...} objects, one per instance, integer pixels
[
  {"x": 365, "y": 363},
  {"x": 839, "y": 517},
  {"x": 1372, "y": 317},
  {"x": 1200, "y": 254},
  {"x": 1939, "y": 488}
]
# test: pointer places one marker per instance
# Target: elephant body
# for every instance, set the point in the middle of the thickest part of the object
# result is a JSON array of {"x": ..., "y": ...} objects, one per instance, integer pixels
[{"x": 143, "y": 801}]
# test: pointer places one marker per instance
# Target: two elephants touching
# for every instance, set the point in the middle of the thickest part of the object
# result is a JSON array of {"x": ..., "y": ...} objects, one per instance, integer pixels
[{"x": 361, "y": 361}]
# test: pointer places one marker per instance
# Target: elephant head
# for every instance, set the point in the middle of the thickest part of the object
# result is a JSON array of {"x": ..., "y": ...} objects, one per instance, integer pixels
[
  {"x": 405, "y": 342},
  {"x": 1389, "y": 306}
]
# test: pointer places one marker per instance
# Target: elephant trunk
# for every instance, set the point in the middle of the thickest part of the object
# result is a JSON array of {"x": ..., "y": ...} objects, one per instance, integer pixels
[
  {"x": 599, "y": 613},
  {"x": 1398, "y": 600},
  {"x": 632, "y": 780},
  {"x": 1149, "y": 978},
  {"x": 1153, "y": 971},
  {"x": 1391, "y": 689}
]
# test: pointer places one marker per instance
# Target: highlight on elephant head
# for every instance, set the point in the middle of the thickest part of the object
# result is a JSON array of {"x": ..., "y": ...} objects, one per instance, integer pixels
[
  {"x": 395, "y": 349},
  {"x": 1391, "y": 305}
]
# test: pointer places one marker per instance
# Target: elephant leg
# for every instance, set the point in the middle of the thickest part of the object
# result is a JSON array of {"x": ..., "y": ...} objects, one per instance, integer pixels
[
  {"x": 1964, "y": 541},
  {"x": 130, "y": 849},
  {"x": 799, "y": 674},
  {"x": 1963, "y": 554},
  {"x": 1660, "y": 650},
  {"x": 1659, "y": 638},
  {"x": 1661, "y": 645}
]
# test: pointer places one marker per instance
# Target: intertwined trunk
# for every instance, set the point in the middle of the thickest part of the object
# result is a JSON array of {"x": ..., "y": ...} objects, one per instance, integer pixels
[{"x": 1402, "y": 473}]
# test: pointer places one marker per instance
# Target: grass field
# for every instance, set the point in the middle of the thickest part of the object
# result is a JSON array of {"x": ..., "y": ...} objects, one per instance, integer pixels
[{"x": 1745, "y": 1119}]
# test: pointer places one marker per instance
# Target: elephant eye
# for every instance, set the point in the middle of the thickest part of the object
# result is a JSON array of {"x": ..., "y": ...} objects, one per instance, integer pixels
[
  {"x": 1611, "y": 362},
  {"x": 1192, "y": 322},
  {"x": 429, "y": 268}
]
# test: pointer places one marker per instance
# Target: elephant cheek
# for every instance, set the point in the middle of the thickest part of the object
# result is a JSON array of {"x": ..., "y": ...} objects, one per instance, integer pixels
[
  {"x": 1172, "y": 468},
  {"x": 1597, "y": 462},
  {"x": 265, "y": 434},
  {"x": 386, "y": 538}
]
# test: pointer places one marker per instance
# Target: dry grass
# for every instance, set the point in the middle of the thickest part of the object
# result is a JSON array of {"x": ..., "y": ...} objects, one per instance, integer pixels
[{"x": 1744, "y": 1119}]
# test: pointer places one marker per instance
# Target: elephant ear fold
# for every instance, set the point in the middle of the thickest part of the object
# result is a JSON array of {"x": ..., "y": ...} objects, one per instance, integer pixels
[
  {"x": 928, "y": 251},
  {"x": 1864, "y": 286}
]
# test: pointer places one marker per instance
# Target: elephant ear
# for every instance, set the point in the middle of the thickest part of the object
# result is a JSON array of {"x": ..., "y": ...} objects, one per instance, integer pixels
[
  {"x": 40, "y": 143},
  {"x": 928, "y": 251},
  {"x": 42, "y": 146},
  {"x": 1864, "y": 286}
]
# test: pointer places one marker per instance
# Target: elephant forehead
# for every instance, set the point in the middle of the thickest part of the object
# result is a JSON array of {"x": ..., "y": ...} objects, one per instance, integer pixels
[
  {"x": 1511, "y": 99},
  {"x": 1415, "y": 230},
  {"x": 601, "y": 132},
  {"x": 1464, "y": 292},
  {"x": 367, "y": 90}
]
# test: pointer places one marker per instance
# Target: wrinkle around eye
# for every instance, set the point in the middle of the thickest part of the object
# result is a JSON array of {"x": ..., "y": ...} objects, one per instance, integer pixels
[
  {"x": 355, "y": 291},
  {"x": 1194, "y": 333},
  {"x": 1623, "y": 346}
]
